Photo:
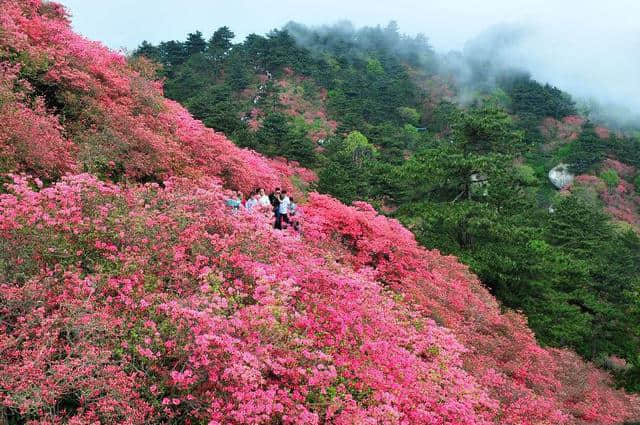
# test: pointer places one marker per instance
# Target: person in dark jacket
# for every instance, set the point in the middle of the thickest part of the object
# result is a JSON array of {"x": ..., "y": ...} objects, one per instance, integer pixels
[{"x": 275, "y": 199}]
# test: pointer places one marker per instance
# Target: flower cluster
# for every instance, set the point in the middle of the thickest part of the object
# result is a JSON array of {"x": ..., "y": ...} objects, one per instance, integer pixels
[
  {"x": 117, "y": 123},
  {"x": 139, "y": 304},
  {"x": 568, "y": 129},
  {"x": 622, "y": 201}
]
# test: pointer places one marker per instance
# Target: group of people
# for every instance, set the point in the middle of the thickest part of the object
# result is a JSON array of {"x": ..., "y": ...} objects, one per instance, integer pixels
[{"x": 283, "y": 207}]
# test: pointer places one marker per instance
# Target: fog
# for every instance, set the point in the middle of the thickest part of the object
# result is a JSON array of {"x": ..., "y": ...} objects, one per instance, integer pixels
[
  {"x": 588, "y": 48},
  {"x": 597, "y": 65}
]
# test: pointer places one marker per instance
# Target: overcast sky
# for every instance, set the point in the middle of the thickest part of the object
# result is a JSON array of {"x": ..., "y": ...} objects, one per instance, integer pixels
[{"x": 588, "y": 47}]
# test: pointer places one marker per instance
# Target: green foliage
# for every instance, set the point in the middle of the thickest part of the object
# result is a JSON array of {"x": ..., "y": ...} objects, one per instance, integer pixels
[
  {"x": 526, "y": 175},
  {"x": 409, "y": 115},
  {"x": 239, "y": 76},
  {"x": 412, "y": 137},
  {"x": 530, "y": 97},
  {"x": 571, "y": 271},
  {"x": 221, "y": 41},
  {"x": 611, "y": 263},
  {"x": 498, "y": 98},
  {"x": 610, "y": 177},
  {"x": 195, "y": 43},
  {"x": 444, "y": 116},
  {"x": 374, "y": 66},
  {"x": 216, "y": 109},
  {"x": 364, "y": 73},
  {"x": 626, "y": 148},
  {"x": 586, "y": 152},
  {"x": 577, "y": 226},
  {"x": 358, "y": 147},
  {"x": 488, "y": 129},
  {"x": 277, "y": 137},
  {"x": 353, "y": 170}
]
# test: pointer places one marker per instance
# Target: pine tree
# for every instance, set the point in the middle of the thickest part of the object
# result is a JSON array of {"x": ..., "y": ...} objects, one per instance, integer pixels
[
  {"x": 220, "y": 41},
  {"x": 587, "y": 151},
  {"x": 195, "y": 43}
]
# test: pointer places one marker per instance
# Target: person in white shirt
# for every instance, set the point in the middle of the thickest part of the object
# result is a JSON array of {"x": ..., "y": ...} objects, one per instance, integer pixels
[
  {"x": 263, "y": 199},
  {"x": 284, "y": 207}
]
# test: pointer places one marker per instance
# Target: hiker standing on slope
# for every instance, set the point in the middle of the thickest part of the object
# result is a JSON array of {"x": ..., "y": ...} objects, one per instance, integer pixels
[
  {"x": 284, "y": 207},
  {"x": 263, "y": 200},
  {"x": 275, "y": 199}
]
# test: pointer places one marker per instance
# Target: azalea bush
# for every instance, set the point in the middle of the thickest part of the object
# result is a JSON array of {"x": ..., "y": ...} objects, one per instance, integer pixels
[
  {"x": 138, "y": 304},
  {"x": 117, "y": 124},
  {"x": 162, "y": 311}
]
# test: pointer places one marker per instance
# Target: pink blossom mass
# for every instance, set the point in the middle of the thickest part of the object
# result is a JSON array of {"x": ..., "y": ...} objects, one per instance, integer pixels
[{"x": 131, "y": 296}]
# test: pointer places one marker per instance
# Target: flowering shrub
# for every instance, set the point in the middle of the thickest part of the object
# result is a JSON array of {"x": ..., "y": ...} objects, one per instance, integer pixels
[
  {"x": 533, "y": 385},
  {"x": 621, "y": 201},
  {"x": 161, "y": 310},
  {"x": 625, "y": 171},
  {"x": 25, "y": 120},
  {"x": 308, "y": 103},
  {"x": 602, "y": 132},
  {"x": 117, "y": 124},
  {"x": 130, "y": 302},
  {"x": 568, "y": 129}
]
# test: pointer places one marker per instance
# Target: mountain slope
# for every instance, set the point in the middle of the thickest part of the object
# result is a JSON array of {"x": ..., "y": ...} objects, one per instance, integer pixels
[
  {"x": 455, "y": 146},
  {"x": 129, "y": 294}
]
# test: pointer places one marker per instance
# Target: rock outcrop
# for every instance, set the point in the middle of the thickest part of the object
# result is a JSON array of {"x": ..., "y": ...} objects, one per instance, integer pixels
[{"x": 560, "y": 176}]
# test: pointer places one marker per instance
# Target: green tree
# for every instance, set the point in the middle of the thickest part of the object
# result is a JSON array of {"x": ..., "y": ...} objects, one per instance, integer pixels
[
  {"x": 299, "y": 147},
  {"x": 352, "y": 171},
  {"x": 273, "y": 134},
  {"x": 173, "y": 53},
  {"x": 195, "y": 43},
  {"x": 149, "y": 51},
  {"x": 586, "y": 152},
  {"x": 577, "y": 226},
  {"x": 488, "y": 129},
  {"x": 220, "y": 41},
  {"x": 409, "y": 115},
  {"x": 190, "y": 79},
  {"x": 358, "y": 148},
  {"x": 530, "y": 97},
  {"x": 238, "y": 71},
  {"x": 216, "y": 108}
]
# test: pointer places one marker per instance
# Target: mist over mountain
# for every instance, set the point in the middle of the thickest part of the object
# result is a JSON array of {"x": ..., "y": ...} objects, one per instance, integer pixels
[
  {"x": 593, "y": 66},
  {"x": 584, "y": 48}
]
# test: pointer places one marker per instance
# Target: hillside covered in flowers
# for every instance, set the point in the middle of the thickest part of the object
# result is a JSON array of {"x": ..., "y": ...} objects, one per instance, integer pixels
[
  {"x": 129, "y": 294},
  {"x": 464, "y": 151}
]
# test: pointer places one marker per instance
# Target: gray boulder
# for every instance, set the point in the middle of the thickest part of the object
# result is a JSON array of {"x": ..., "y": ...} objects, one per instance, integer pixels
[
  {"x": 479, "y": 184},
  {"x": 560, "y": 176}
]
